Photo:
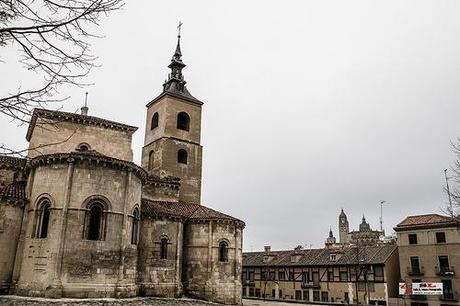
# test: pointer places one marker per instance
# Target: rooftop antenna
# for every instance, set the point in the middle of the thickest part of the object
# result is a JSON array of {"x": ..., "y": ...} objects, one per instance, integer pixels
[
  {"x": 84, "y": 109},
  {"x": 179, "y": 27},
  {"x": 381, "y": 215},
  {"x": 451, "y": 211}
]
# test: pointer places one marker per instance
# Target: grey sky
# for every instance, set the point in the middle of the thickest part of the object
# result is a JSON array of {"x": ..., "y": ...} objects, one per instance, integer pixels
[{"x": 310, "y": 106}]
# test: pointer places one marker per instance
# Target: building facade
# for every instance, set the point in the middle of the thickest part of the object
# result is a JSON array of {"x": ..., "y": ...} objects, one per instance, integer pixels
[
  {"x": 429, "y": 251},
  {"x": 78, "y": 218},
  {"x": 368, "y": 275}
]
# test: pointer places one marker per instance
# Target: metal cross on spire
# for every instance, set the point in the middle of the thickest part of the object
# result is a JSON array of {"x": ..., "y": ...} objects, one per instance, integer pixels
[{"x": 179, "y": 28}]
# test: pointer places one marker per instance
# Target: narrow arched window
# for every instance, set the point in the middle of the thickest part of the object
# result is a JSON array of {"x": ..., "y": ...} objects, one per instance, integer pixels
[
  {"x": 135, "y": 227},
  {"x": 42, "y": 218},
  {"x": 95, "y": 221},
  {"x": 164, "y": 248},
  {"x": 182, "y": 156},
  {"x": 151, "y": 159},
  {"x": 183, "y": 121},
  {"x": 154, "y": 122},
  {"x": 223, "y": 251}
]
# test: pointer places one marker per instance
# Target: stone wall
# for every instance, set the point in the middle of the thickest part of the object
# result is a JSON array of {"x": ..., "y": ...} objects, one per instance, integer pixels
[
  {"x": 65, "y": 263},
  {"x": 10, "y": 227},
  {"x": 160, "y": 277},
  {"x": 205, "y": 277},
  {"x": 66, "y": 136}
]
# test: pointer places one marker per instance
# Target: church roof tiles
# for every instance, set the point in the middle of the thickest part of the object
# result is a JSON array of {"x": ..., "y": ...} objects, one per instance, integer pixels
[
  {"x": 14, "y": 191},
  {"x": 12, "y": 163},
  {"x": 183, "y": 210},
  {"x": 73, "y": 117},
  {"x": 321, "y": 257}
]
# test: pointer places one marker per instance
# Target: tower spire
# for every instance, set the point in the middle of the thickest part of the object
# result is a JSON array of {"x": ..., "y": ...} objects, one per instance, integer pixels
[{"x": 175, "y": 84}]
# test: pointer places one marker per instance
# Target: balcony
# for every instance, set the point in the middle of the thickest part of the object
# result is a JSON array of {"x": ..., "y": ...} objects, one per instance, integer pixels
[
  {"x": 415, "y": 271},
  {"x": 314, "y": 285},
  {"x": 445, "y": 271}
]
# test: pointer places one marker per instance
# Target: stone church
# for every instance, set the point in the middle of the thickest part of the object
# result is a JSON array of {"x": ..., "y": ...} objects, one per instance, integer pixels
[{"x": 78, "y": 218}]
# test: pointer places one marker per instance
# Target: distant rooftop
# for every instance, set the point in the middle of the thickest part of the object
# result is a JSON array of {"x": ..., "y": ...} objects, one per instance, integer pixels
[{"x": 426, "y": 221}]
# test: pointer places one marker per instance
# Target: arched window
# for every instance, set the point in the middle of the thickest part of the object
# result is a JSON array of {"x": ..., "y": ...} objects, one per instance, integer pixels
[
  {"x": 95, "y": 221},
  {"x": 183, "y": 121},
  {"x": 164, "y": 248},
  {"x": 151, "y": 159},
  {"x": 42, "y": 218},
  {"x": 182, "y": 156},
  {"x": 223, "y": 251},
  {"x": 83, "y": 147},
  {"x": 154, "y": 122},
  {"x": 135, "y": 227}
]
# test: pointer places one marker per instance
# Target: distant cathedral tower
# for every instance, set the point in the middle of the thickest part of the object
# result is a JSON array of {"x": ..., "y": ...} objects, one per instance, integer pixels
[
  {"x": 344, "y": 228},
  {"x": 173, "y": 130}
]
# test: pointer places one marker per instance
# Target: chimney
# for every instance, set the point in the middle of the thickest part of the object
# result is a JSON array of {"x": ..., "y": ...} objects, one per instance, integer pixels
[
  {"x": 267, "y": 248},
  {"x": 84, "y": 110}
]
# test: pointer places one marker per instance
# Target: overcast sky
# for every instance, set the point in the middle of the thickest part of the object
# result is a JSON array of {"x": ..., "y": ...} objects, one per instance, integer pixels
[{"x": 310, "y": 106}]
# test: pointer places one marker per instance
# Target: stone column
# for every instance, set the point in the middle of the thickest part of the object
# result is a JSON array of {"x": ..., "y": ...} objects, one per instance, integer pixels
[{"x": 55, "y": 291}]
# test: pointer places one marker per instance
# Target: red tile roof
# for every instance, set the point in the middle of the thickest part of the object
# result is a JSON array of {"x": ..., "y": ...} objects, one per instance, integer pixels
[
  {"x": 184, "y": 210},
  {"x": 10, "y": 162},
  {"x": 428, "y": 220},
  {"x": 15, "y": 191},
  {"x": 78, "y": 118}
]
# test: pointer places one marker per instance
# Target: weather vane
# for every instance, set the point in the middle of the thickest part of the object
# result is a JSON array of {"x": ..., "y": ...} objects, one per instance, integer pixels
[{"x": 179, "y": 27}]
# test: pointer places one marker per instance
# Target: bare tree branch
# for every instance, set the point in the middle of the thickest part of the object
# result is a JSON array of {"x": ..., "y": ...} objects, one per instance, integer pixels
[{"x": 53, "y": 41}]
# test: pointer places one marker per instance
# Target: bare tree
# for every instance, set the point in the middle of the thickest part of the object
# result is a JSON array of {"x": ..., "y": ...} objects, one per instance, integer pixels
[
  {"x": 53, "y": 40},
  {"x": 453, "y": 183}
]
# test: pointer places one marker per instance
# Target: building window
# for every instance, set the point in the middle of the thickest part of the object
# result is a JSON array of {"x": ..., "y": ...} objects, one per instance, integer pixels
[
  {"x": 182, "y": 156},
  {"x": 223, "y": 251},
  {"x": 315, "y": 295},
  {"x": 298, "y": 295},
  {"x": 251, "y": 276},
  {"x": 306, "y": 295},
  {"x": 251, "y": 291},
  {"x": 42, "y": 218},
  {"x": 304, "y": 277},
  {"x": 95, "y": 221},
  {"x": 257, "y": 292},
  {"x": 164, "y": 248},
  {"x": 378, "y": 273},
  {"x": 444, "y": 264},
  {"x": 415, "y": 265},
  {"x": 440, "y": 237},
  {"x": 154, "y": 122},
  {"x": 330, "y": 276},
  {"x": 183, "y": 121},
  {"x": 412, "y": 238},
  {"x": 448, "y": 293},
  {"x": 281, "y": 275},
  {"x": 324, "y": 296},
  {"x": 83, "y": 147},
  {"x": 343, "y": 276},
  {"x": 135, "y": 226}
]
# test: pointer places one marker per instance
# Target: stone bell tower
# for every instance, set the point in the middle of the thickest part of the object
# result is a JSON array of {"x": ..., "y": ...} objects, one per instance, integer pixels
[
  {"x": 344, "y": 228},
  {"x": 172, "y": 135}
]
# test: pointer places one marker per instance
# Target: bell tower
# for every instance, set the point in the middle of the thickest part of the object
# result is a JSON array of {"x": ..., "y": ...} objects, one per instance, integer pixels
[
  {"x": 173, "y": 131},
  {"x": 344, "y": 227}
]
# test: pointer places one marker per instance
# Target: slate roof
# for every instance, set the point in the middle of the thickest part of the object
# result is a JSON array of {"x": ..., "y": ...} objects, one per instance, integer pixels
[
  {"x": 321, "y": 257},
  {"x": 82, "y": 119},
  {"x": 15, "y": 191},
  {"x": 10, "y": 162},
  {"x": 427, "y": 221},
  {"x": 183, "y": 210}
]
